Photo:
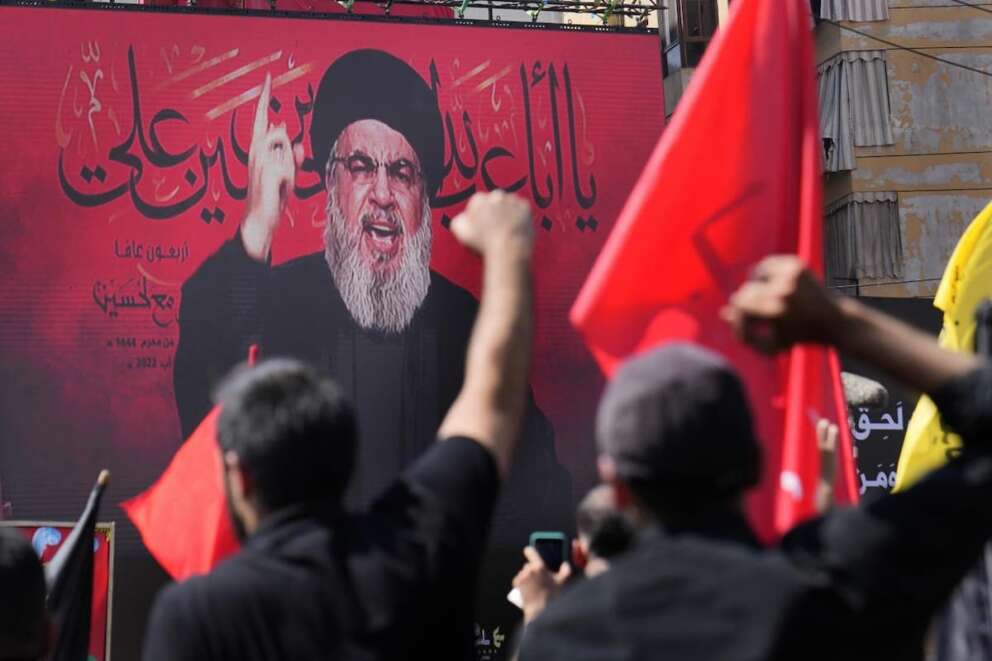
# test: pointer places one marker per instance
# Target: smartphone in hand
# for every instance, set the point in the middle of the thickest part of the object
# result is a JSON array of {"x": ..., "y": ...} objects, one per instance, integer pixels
[{"x": 552, "y": 547}]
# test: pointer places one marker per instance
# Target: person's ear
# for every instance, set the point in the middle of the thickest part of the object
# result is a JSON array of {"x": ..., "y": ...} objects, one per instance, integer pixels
[
  {"x": 607, "y": 468},
  {"x": 240, "y": 480},
  {"x": 580, "y": 558},
  {"x": 618, "y": 487}
]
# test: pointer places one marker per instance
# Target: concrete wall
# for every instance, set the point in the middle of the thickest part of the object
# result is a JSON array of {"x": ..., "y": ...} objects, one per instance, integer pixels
[{"x": 941, "y": 162}]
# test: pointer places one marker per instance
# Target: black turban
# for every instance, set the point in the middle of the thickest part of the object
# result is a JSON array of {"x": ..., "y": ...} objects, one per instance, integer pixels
[{"x": 372, "y": 84}]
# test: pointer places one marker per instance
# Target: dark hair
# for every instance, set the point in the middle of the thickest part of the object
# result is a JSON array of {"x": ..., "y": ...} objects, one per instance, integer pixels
[
  {"x": 678, "y": 505},
  {"x": 678, "y": 426},
  {"x": 608, "y": 530},
  {"x": 293, "y": 432},
  {"x": 22, "y": 597}
]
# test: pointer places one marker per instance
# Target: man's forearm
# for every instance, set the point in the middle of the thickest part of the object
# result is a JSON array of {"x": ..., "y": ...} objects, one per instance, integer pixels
[
  {"x": 499, "y": 349},
  {"x": 910, "y": 355},
  {"x": 490, "y": 405}
]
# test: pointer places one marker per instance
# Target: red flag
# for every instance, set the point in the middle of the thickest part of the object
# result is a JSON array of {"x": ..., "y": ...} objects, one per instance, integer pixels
[
  {"x": 183, "y": 517},
  {"x": 735, "y": 177}
]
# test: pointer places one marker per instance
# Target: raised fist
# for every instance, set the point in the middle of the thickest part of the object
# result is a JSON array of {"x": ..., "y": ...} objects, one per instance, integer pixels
[
  {"x": 495, "y": 221},
  {"x": 782, "y": 304}
]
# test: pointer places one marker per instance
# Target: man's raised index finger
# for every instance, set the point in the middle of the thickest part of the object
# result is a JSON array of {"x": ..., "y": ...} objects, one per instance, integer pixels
[{"x": 261, "y": 124}]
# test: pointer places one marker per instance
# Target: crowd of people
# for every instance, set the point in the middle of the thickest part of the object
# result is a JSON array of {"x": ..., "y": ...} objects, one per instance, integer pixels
[
  {"x": 672, "y": 566},
  {"x": 665, "y": 564}
]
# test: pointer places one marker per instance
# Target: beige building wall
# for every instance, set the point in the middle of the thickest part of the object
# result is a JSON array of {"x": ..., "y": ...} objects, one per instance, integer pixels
[{"x": 941, "y": 162}]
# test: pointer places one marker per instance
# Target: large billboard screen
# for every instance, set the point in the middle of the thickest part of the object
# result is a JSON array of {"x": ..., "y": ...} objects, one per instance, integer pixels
[{"x": 129, "y": 288}]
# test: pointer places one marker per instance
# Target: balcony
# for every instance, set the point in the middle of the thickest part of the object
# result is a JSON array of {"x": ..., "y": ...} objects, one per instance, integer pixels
[{"x": 688, "y": 27}]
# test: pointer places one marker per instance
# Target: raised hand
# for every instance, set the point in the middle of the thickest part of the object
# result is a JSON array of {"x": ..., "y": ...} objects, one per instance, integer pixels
[
  {"x": 781, "y": 305},
  {"x": 272, "y": 163},
  {"x": 827, "y": 434},
  {"x": 495, "y": 221},
  {"x": 784, "y": 304},
  {"x": 537, "y": 584}
]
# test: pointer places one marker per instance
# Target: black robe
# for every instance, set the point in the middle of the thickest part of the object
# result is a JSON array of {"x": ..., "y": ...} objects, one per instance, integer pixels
[{"x": 401, "y": 384}]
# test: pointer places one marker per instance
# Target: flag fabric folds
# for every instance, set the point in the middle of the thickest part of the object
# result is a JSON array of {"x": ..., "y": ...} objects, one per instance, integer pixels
[
  {"x": 735, "y": 177},
  {"x": 183, "y": 517},
  {"x": 69, "y": 576},
  {"x": 967, "y": 281}
]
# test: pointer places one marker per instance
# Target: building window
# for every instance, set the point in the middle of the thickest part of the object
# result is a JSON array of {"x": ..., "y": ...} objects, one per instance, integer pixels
[
  {"x": 689, "y": 27},
  {"x": 863, "y": 239},
  {"x": 854, "y": 106}
]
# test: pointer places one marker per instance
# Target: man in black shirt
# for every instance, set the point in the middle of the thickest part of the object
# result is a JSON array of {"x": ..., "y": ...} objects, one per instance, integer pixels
[
  {"x": 677, "y": 447},
  {"x": 315, "y": 582}
]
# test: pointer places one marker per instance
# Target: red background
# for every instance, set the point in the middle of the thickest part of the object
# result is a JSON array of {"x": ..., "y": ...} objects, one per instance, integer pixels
[{"x": 84, "y": 389}]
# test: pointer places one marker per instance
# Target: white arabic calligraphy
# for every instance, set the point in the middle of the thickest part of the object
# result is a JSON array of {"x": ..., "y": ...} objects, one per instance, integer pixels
[{"x": 865, "y": 426}]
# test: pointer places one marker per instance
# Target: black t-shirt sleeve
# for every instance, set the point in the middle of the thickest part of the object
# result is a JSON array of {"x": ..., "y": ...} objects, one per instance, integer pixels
[
  {"x": 423, "y": 544},
  {"x": 439, "y": 509},
  {"x": 433, "y": 522},
  {"x": 461, "y": 476},
  {"x": 455, "y": 486}
]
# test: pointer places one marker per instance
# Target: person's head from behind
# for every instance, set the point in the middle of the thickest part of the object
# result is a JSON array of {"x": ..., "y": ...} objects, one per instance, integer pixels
[
  {"x": 288, "y": 438},
  {"x": 676, "y": 438},
  {"x": 604, "y": 532},
  {"x": 25, "y": 629}
]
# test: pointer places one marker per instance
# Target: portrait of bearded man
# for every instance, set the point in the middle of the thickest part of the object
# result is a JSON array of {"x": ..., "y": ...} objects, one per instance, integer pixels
[{"x": 368, "y": 309}]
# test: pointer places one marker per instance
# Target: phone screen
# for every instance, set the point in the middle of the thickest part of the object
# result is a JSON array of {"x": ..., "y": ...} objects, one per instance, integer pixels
[{"x": 552, "y": 551}]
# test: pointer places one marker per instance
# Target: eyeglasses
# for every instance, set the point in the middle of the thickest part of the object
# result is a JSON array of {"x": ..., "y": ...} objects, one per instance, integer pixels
[{"x": 401, "y": 173}]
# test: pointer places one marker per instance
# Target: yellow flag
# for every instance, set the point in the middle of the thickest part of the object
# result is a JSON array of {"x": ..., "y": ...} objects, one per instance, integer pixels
[{"x": 966, "y": 282}]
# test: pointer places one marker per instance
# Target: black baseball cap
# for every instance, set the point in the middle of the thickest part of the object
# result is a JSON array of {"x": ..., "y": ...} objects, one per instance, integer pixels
[{"x": 678, "y": 418}]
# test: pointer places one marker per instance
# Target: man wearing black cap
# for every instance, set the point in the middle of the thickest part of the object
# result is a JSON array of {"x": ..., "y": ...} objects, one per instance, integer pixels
[
  {"x": 677, "y": 445},
  {"x": 367, "y": 309}
]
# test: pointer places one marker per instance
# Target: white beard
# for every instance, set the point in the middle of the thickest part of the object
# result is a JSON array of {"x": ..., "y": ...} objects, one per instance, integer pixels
[{"x": 378, "y": 301}]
